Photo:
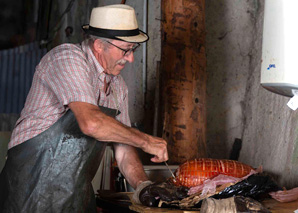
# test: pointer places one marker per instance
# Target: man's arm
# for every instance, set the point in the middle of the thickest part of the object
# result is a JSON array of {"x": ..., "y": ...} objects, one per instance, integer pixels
[
  {"x": 96, "y": 124},
  {"x": 129, "y": 164}
]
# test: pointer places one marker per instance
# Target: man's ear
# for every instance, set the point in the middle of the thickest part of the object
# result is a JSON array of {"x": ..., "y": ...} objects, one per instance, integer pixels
[{"x": 98, "y": 45}]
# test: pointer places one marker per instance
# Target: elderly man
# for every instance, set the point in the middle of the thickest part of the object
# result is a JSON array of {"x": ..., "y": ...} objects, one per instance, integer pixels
[{"x": 78, "y": 103}]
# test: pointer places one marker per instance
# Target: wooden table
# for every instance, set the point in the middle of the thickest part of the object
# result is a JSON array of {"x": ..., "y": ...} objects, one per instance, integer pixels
[
  {"x": 271, "y": 204},
  {"x": 122, "y": 200},
  {"x": 278, "y": 207}
]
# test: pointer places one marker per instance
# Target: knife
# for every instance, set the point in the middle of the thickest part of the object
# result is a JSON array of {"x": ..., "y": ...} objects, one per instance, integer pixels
[{"x": 170, "y": 171}]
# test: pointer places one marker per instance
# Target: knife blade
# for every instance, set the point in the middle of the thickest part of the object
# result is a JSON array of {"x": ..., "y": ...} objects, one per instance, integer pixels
[{"x": 170, "y": 170}]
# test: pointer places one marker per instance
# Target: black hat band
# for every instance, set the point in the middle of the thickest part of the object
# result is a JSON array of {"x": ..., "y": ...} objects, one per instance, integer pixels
[{"x": 113, "y": 33}]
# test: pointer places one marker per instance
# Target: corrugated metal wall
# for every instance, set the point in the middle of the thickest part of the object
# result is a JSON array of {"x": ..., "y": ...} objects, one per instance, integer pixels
[{"x": 17, "y": 67}]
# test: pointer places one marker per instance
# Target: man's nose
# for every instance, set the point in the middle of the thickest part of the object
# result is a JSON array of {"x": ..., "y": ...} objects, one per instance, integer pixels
[{"x": 129, "y": 57}]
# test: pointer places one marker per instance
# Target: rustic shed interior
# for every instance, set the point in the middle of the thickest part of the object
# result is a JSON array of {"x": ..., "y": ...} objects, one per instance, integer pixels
[{"x": 220, "y": 56}]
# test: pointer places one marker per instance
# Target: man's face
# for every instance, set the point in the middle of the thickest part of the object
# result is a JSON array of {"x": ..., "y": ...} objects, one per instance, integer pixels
[{"x": 112, "y": 58}]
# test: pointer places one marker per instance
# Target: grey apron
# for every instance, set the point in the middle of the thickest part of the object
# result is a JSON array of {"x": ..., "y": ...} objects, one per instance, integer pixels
[{"x": 52, "y": 172}]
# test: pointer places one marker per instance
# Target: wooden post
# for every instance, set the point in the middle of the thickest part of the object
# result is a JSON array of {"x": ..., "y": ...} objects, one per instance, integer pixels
[{"x": 183, "y": 68}]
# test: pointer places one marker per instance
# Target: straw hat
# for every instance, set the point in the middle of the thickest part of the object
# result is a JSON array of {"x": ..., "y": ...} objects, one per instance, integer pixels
[{"x": 116, "y": 22}]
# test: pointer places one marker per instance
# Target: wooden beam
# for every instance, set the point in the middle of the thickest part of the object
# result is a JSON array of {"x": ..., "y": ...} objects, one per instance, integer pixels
[{"x": 183, "y": 67}]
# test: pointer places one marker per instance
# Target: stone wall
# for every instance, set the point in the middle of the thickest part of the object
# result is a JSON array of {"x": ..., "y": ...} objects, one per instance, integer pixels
[{"x": 237, "y": 105}]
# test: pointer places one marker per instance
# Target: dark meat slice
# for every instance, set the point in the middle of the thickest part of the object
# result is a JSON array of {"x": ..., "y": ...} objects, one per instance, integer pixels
[{"x": 254, "y": 186}]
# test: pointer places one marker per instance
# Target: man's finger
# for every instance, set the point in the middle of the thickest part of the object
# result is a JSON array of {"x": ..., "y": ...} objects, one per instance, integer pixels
[{"x": 156, "y": 159}]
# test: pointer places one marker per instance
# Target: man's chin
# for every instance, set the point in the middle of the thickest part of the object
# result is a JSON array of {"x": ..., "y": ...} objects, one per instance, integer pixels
[
  {"x": 121, "y": 66},
  {"x": 119, "y": 69},
  {"x": 116, "y": 72}
]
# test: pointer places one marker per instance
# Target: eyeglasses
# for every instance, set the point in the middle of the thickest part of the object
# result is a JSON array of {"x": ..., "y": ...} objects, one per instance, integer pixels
[{"x": 127, "y": 51}]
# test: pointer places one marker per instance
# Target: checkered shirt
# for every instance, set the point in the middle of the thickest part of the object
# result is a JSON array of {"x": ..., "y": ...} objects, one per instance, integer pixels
[{"x": 66, "y": 74}]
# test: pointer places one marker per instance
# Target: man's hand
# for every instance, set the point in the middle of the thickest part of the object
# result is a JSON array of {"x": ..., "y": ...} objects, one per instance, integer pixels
[
  {"x": 285, "y": 195},
  {"x": 157, "y": 147}
]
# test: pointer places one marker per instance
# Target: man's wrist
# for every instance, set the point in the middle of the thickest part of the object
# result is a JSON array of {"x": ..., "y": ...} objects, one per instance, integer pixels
[
  {"x": 139, "y": 188},
  {"x": 141, "y": 181},
  {"x": 143, "y": 184}
]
